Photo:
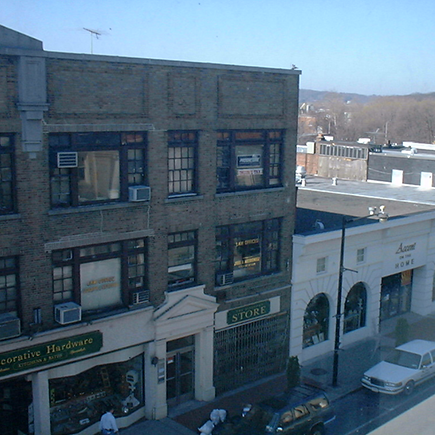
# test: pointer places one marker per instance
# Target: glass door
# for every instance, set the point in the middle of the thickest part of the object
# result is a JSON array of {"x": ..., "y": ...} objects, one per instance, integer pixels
[{"x": 180, "y": 365}]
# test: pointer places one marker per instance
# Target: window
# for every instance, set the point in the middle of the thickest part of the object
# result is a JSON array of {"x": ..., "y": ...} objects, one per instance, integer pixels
[
  {"x": 355, "y": 308},
  {"x": 7, "y": 169},
  {"x": 181, "y": 258},
  {"x": 120, "y": 384},
  {"x": 100, "y": 168},
  {"x": 182, "y": 156},
  {"x": 9, "y": 288},
  {"x": 361, "y": 255},
  {"x": 426, "y": 360},
  {"x": 316, "y": 321},
  {"x": 249, "y": 160},
  {"x": 301, "y": 411},
  {"x": 248, "y": 250},
  {"x": 321, "y": 265},
  {"x": 101, "y": 277}
]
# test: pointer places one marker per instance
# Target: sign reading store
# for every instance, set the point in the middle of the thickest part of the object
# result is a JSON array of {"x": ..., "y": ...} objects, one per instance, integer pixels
[
  {"x": 248, "y": 312},
  {"x": 50, "y": 352}
]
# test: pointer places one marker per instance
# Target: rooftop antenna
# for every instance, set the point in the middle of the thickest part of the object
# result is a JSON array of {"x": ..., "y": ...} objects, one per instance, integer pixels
[{"x": 93, "y": 33}]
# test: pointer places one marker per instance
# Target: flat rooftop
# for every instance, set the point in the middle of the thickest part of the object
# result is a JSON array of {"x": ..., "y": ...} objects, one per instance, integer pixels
[{"x": 322, "y": 200}]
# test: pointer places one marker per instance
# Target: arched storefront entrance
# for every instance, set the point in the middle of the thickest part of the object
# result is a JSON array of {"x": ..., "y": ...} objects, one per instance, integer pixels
[
  {"x": 316, "y": 321},
  {"x": 355, "y": 308}
]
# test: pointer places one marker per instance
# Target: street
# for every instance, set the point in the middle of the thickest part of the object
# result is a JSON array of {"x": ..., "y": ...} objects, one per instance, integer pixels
[{"x": 363, "y": 411}]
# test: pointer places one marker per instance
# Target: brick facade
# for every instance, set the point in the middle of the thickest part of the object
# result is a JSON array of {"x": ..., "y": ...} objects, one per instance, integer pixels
[{"x": 86, "y": 93}]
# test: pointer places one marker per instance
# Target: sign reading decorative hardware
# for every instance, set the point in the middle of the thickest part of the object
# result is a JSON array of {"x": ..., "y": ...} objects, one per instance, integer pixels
[
  {"x": 51, "y": 352},
  {"x": 248, "y": 312}
]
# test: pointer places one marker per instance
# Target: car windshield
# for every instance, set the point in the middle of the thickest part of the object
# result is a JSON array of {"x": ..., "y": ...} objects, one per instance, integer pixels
[{"x": 404, "y": 359}]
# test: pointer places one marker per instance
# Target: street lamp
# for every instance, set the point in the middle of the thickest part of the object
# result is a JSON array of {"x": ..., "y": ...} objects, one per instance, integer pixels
[{"x": 383, "y": 217}]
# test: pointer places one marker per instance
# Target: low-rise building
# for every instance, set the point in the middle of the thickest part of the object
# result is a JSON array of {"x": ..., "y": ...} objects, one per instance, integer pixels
[{"x": 387, "y": 268}]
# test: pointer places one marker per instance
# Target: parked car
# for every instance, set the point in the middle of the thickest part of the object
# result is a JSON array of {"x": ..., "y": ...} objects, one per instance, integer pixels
[
  {"x": 407, "y": 366},
  {"x": 303, "y": 411}
]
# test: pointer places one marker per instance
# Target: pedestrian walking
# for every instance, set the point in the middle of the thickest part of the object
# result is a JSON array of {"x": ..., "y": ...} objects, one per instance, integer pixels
[{"x": 108, "y": 423}]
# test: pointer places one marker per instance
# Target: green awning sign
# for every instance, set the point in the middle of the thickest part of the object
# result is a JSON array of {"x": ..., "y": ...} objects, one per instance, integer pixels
[
  {"x": 50, "y": 352},
  {"x": 248, "y": 312}
]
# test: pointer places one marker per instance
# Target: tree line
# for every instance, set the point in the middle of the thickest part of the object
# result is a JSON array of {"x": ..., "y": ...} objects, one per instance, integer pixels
[{"x": 392, "y": 119}]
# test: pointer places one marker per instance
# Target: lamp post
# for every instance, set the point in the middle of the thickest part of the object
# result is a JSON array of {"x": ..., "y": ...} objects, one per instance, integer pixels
[{"x": 383, "y": 217}]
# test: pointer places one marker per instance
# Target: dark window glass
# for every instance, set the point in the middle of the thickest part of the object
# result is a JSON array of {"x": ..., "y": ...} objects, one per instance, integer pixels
[
  {"x": 7, "y": 176},
  {"x": 182, "y": 156},
  {"x": 355, "y": 308},
  {"x": 181, "y": 259},
  {"x": 248, "y": 160},
  {"x": 316, "y": 321},
  {"x": 248, "y": 250},
  {"x": 9, "y": 285},
  {"x": 101, "y": 277},
  {"x": 106, "y": 164}
]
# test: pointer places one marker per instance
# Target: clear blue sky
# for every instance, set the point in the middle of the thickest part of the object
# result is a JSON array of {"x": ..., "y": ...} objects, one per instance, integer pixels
[{"x": 382, "y": 47}]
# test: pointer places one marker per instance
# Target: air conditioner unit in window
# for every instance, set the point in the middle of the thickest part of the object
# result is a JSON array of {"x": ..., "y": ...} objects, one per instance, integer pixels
[
  {"x": 139, "y": 193},
  {"x": 67, "y": 159},
  {"x": 68, "y": 312},
  {"x": 140, "y": 297},
  {"x": 224, "y": 278},
  {"x": 10, "y": 326}
]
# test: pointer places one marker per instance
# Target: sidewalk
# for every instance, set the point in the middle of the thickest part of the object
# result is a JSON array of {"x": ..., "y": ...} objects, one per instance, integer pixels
[{"x": 354, "y": 360}]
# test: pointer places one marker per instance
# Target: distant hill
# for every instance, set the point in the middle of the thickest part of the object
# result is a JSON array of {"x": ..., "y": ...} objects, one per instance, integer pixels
[{"x": 310, "y": 96}]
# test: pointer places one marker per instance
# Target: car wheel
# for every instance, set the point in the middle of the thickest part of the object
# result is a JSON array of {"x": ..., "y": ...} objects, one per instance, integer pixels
[
  {"x": 317, "y": 430},
  {"x": 409, "y": 388}
]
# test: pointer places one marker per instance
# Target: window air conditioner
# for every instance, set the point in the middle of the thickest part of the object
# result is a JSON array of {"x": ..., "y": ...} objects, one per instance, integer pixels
[
  {"x": 66, "y": 313},
  {"x": 224, "y": 279},
  {"x": 140, "y": 297},
  {"x": 10, "y": 326},
  {"x": 139, "y": 193},
  {"x": 67, "y": 159}
]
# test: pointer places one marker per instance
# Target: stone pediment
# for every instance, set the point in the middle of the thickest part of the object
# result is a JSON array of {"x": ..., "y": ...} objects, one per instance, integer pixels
[
  {"x": 182, "y": 305},
  {"x": 185, "y": 312}
]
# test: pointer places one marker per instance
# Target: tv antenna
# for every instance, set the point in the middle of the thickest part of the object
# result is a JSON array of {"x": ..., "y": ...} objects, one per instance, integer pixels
[{"x": 93, "y": 33}]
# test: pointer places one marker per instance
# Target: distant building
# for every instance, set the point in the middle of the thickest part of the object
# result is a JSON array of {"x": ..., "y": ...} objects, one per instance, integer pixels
[
  {"x": 147, "y": 209},
  {"x": 410, "y": 163}
]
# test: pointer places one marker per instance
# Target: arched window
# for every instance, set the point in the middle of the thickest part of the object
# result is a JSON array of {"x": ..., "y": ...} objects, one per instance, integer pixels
[
  {"x": 316, "y": 321},
  {"x": 355, "y": 308}
]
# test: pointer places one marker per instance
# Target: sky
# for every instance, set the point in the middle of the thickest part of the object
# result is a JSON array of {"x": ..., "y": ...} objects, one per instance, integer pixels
[{"x": 370, "y": 47}]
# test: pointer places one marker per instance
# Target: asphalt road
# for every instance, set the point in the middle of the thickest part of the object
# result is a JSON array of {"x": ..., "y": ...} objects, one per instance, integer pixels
[{"x": 363, "y": 411}]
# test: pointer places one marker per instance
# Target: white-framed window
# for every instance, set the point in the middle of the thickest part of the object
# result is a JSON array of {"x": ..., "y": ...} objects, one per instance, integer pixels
[
  {"x": 361, "y": 255},
  {"x": 321, "y": 265}
]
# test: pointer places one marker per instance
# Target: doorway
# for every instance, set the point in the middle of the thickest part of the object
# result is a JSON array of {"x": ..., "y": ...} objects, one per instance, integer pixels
[{"x": 180, "y": 369}]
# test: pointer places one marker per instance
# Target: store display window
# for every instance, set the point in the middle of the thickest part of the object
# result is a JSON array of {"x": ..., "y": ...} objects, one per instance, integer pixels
[
  {"x": 355, "y": 308},
  {"x": 316, "y": 321},
  {"x": 79, "y": 401}
]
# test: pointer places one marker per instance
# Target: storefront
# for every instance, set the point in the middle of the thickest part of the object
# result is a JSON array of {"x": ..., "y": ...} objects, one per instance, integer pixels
[
  {"x": 396, "y": 295},
  {"x": 79, "y": 401},
  {"x": 250, "y": 343},
  {"x": 388, "y": 272},
  {"x": 16, "y": 411}
]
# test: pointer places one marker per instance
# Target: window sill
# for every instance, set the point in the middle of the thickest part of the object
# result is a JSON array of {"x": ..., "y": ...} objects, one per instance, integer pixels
[
  {"x": 180, "y": 198},
  {"x": 10, "y": 216},
  {"x": 250, "y": 191},
  {"x": 94, "y": 207}
]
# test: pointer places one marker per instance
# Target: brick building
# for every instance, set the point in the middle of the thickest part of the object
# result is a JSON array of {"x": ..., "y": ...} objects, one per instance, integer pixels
[{"x": 147, "y": 209}]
